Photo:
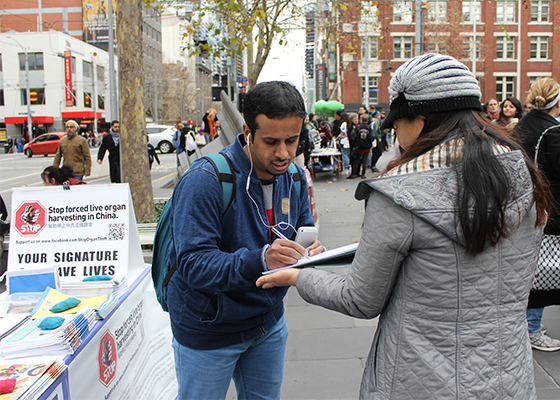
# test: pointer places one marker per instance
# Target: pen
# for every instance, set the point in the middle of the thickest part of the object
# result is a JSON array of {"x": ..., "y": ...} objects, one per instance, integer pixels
[{"x": 281, "y": 236}]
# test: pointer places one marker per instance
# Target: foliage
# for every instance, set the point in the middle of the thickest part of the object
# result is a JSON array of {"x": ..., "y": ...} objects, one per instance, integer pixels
[{"x": 159, "y": 204}]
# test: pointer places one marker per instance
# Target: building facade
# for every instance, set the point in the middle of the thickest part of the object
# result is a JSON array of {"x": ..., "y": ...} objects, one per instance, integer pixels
[
  {"x": 516, "y": 43},
  {"x": 67, "y": 79}
]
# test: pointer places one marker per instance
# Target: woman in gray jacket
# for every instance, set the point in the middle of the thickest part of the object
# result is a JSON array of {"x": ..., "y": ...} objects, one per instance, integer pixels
[{"x": 446, "y": 257}]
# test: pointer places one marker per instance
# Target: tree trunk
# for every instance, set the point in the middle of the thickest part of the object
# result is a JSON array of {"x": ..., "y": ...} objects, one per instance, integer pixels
[{"x": 133, "y": 147}]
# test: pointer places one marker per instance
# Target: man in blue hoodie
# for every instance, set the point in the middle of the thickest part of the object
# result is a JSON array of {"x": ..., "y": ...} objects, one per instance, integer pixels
[{"x": 223, "y": 326}]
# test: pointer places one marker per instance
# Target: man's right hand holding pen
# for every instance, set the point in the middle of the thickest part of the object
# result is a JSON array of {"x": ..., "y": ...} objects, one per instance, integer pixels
[{"x": 283, "y": 252}]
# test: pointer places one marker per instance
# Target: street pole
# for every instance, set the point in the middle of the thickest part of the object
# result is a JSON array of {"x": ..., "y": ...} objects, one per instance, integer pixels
[
  {"x": 418, "y": 28},
  {"x": 473, "y": 16},
  {"x": 112, "y": 79},
  {"x": 518, "y": 83},
  {"x": 94, "y": 93},
  {"x": 366, "y": 79}
]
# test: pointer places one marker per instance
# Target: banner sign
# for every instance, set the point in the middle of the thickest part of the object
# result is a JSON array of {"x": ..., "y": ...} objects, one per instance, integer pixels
[
  {"x": 68, "y": 78},
  {"x": 95, "y": 22},
  {"x": 82, "y": 230},
  {"x": 128, "y": 355}
]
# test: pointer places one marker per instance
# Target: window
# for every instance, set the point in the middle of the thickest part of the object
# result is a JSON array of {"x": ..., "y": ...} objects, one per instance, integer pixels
[
  {"x": 101, "y": 102},
  {"x": 437, "y": 11},
  {"x": 540, "y": 11},
  {"x": 504, "y": 87},
  {"x": 87, "y": 100},
  {"x": 471, "y": 8},
  {"x": 74, "y": 98},
  {"x": 533, "y": 79},
  {"x": 402, "y": 11},
  {"x": 505, "y": 11},
  {"x": 36, "y": 96},
  {"x": 373, "y": 89},
  {"x": 467, "y": 48},
  {"x": 86, "y": 66},
  {"x": 402, "y": 47},
  {"x": 435, "y": 47},
  {"x": 539, "y": 47},
  {"x": 2, "y": 97},
  {"x": 100, "y": 74},
  {"x": 505, "y": 47},
  {"x": 372, "y": 53},
  {"x": 35, "y": 61}
]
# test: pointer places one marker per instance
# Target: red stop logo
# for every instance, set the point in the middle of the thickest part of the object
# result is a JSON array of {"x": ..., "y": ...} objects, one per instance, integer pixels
[
  {"x": 30, "y": 218},
  {"x": 107, "y": 358}
]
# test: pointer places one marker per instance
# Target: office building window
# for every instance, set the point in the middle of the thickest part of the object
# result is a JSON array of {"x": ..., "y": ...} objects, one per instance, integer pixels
[
  {"x": 369, "y": 43},
  {"x": 402, "y": 47},
  {"x": 101, "y": 102},
  {"x": 437, "y": 11},
  {"x": 436, "y": 47},
  {"x": 74, "y": 98},
  {"x": 533, "y": 79},
  {"x": 540, "y": 11},
  {"x": 100, "y": 74},
  {"x": 539, "y": 47},
  {"x": 35, "y": 61},
  {"x": 373, "y": 89},
  {"x": 402, "y": 11},
  {"x": 471, "y": 8},
  {"x": 505, "y": 48},
  {"x": 87, "y": 69},
  {"x": 467, "y": 47},
  {"x": 36, "y": 96},
  {"x": 1, "y": 97},
  {"x": 505, "y": 11},
  {"x": 504, "y": 87}
]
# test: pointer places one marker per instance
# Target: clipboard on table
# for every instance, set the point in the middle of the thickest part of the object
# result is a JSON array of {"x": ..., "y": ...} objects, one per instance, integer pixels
[{"x": 344, "y": 254}]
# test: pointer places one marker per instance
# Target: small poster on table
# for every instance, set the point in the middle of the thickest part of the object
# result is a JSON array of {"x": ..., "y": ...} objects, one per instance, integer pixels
[{"x": 82, "y": 230}]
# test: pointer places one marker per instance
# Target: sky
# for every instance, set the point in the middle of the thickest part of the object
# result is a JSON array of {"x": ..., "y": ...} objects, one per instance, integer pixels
[{"x": 286, "y": 63}]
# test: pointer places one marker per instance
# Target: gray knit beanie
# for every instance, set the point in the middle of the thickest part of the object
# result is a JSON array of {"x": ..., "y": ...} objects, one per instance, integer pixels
[{"x": 431, "y": 83}]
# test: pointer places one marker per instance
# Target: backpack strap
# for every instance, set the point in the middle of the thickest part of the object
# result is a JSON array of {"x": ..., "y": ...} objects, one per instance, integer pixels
[
  {"x": 222, "y": 166},
  {"x": 296, "y": 176}
]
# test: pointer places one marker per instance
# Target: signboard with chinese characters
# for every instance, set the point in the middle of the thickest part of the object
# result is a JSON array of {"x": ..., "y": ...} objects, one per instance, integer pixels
[
  {"x": 68, "y": 78},
  {"x": 82, "y": 230}
]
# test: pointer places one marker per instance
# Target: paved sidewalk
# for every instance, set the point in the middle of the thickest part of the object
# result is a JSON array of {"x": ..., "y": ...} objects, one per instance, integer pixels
[{"x": 326, "y": 351}]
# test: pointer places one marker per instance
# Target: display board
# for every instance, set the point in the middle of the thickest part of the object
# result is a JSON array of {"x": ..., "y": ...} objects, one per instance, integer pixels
[
  {"x": 82, "y": 230},
  {"x": 129, "y": 355}
]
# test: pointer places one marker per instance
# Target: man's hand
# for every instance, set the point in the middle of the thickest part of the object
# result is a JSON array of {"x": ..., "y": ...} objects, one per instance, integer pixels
[
  {"x": 99, "y": 162},
  {"x": 282, "y": 253},
  {"x": 285, "y": 277}
]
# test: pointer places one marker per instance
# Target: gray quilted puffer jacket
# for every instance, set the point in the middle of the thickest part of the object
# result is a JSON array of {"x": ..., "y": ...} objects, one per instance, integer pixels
[{"x": 452, "y": 326}]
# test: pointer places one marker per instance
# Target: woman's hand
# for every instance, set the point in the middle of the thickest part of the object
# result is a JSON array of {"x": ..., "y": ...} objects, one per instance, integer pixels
[
  {"x": 315, "y": 248},
  {"x": 285, "y": 277}
]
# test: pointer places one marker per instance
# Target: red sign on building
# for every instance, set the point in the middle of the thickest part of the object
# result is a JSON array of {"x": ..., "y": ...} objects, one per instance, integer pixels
[
  {"x": 30, "y": 218},
  {"x": 68, "y": 78},
  {"x": 107, "y": 358}
]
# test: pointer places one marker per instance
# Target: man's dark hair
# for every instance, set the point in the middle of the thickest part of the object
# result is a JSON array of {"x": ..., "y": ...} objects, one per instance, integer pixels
[
  {"x": 274, "y": 99},
  {"x": 114, "y": 122}
]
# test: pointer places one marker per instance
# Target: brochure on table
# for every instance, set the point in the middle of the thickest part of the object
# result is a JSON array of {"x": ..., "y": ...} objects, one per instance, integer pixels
[{"x": 82, "y": 230}]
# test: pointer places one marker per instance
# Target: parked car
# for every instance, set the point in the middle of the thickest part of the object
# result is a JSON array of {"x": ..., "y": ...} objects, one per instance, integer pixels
[
  {"x": 161, "y": 137},
  {"x": 46, "y": 144}
]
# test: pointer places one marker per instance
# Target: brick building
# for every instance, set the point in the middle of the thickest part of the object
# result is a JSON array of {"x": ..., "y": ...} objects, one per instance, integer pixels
[{"x": 516, "y": 43}]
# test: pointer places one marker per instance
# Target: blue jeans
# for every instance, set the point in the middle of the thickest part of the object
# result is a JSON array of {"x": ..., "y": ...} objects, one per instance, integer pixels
[
  {"x": 534, "y": 317},
  {"x": 345, "y": 156},
  {"x": 79, "y": 177},
  {"x": 257, "y": 368}
]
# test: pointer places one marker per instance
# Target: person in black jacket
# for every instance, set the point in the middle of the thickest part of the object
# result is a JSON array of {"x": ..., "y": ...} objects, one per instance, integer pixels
[
  {"x": 110, "y": 142},
  {"x": 362, "y": 136},
  {"x": 540, "y": 127}
]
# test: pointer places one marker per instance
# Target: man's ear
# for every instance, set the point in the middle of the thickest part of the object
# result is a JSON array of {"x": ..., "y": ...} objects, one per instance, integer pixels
[{"x": 246, "y": 132}]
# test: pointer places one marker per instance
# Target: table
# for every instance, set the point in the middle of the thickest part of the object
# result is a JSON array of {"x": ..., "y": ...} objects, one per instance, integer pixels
[
  {"x": 335, "y": 156},
  {"x": 128, "y": 355}
]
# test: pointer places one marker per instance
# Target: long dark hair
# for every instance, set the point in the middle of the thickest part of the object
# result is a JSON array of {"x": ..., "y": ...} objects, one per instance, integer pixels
[
  {"x": 60, "y": 175},
  {"x": 483, "y": 184}
]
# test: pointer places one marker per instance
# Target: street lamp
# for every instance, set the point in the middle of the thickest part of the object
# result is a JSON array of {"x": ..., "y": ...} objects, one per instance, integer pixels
[{"x": 27, "y": 95}]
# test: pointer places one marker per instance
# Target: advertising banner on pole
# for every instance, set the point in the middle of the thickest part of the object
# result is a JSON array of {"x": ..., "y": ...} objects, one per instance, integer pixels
[
  {"x": 129, "y": 355},
  {"x": 82, "y": 230}
]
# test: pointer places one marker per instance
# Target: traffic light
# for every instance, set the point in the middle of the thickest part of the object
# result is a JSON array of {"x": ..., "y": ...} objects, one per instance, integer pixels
[
  {"x": 25, "y": 125},
  {"x": 34, "y": 128}
]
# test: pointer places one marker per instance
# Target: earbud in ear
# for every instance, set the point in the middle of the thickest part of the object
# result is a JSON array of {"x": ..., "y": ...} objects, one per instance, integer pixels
[{"x": 248, "y": 138}]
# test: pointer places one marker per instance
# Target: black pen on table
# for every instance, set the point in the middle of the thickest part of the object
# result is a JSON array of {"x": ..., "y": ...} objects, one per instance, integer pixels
[{"x": 281, "y": 236}]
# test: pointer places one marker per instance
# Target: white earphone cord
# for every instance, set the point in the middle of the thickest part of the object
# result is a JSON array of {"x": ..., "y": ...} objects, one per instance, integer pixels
[{"x": 281, "y": 224}]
